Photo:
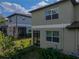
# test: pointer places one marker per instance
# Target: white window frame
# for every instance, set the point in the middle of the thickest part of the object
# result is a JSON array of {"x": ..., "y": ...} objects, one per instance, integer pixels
[
  {"x": 52, "y": 36},
  {"x": 56, "y": 9}
]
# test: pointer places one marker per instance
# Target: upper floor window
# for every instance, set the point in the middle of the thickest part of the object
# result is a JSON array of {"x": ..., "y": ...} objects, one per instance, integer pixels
[
  {"x": 48, "y": 15},
  {"x": 24, "y": 18},
  {"x": 10, "y": 20},
  {"x": 52, "y": 14},
  {"x": 52, "y": 36}
]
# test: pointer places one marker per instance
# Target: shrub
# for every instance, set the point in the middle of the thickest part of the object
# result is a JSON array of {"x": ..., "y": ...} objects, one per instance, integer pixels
[
  {"x": 51, "y": 53},
  {"x": 6, "y": 45}
]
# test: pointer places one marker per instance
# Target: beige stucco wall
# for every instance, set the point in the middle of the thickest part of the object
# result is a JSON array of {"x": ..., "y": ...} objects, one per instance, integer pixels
[
  {"x": 77, "y": 30},
  {"x": 66, "y": 13},
  {"x": 46, "y": 44},
  {"x": 77, "y": 12},
  {"x": 69, "y": 39},
  {"x": 77, "y": 39}
]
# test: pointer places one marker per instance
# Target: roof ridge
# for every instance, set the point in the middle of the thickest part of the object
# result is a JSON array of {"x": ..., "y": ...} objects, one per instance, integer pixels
[
  {"x": 19, "y": 14},
  {"x": 48, "y": 5},
  {"x": 72, "y": 1}
]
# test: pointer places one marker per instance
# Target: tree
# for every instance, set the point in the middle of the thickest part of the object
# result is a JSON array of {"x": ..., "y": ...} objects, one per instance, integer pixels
[
  {"x": 7, "y": 45},
  {"x": 2, "y": 20}
]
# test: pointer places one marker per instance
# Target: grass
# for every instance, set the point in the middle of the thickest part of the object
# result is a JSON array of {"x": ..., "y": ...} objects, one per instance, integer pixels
[
  {"x": 29, "y": 52},
  {"x": 38, "y": 53},
  {"x": 33, "y": 54},
  {"x": 25, "y": 42}
]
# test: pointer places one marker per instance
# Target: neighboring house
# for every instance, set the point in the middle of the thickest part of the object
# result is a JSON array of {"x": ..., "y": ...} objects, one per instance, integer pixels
[
  {"x": 19, "y": 25},
  {"x": 57, "y": 25}
]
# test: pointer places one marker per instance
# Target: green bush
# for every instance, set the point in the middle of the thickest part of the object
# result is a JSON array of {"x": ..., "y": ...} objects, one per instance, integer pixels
[
  {"x": 6, "y": 45},
  {"x": 22, "y": 52},
  {"x": 9, "y": 48},
  {"x": 51, "y": 53}
]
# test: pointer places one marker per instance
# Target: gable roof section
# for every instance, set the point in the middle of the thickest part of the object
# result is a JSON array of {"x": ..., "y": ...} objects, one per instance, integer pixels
[
  {"x": 49, "y": 5},
  {"x": 72, "y": 1},
  {"x": 26, "y": 15},
  {"x": 74, "y": 25}
]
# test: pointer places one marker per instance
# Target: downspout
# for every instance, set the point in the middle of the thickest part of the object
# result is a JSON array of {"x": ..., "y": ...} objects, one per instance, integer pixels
[
  {"x": 76, "y": 39},
  {"x": 63, "y": 40},
  {"x": 16, "y": 28}
]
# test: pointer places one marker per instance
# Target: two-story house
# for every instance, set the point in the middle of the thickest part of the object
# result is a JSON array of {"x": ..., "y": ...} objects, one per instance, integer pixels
[
  {"x": 19, "y": 25},
  {"x": 57, "y": 25}
]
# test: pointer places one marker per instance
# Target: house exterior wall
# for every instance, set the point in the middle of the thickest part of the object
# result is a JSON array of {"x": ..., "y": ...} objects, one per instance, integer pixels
[
  {"x": 69, "y": 39},
  {"x": 66, "y": 39},
  {"x": 18, "y": 21},
  {"x": 77, "y": 30},
  {"x": 77, "y": 12},
  {"x": 66, "y": 13},
  {"x": 10, "y": 31}
]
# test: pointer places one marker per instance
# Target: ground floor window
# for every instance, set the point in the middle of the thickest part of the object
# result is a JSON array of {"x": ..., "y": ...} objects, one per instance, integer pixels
[
  {"x": 22, "y": 32},
  {"x": 52, "y": 36},
  {"x": 29, "y": 32}
]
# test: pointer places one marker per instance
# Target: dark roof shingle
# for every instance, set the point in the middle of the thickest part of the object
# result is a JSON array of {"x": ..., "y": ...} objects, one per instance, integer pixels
[
  {"x": 26, "y": 15},
  {"x": 61, "y": 1},
  {"x": 47, "y": 6},
  {"x": 74, "y": 25}
]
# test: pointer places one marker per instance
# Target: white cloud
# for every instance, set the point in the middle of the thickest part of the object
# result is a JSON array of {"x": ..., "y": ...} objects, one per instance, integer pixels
[
  {"x": 13, "y": 7},
  {"x": 16, "y": 8},
  {"x": 46, "y": 0},
  {"x": 58, "y": 0},
  {"x": 40, "y": 4},
  {"x": 77, "y": 0}
]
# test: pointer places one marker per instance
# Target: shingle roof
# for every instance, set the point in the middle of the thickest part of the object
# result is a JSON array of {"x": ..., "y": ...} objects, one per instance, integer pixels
[
  {"x": 74, "y": 25},
  {"x": 47, "y": 6},
  {"x": 26, "y": 15},
  {"x": 61, "y": 1}
]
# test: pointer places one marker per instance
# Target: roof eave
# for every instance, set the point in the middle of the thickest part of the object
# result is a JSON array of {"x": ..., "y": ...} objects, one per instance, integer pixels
[
  {"x": 18, "y": 14},
  {"x": 48, "y": 5}
]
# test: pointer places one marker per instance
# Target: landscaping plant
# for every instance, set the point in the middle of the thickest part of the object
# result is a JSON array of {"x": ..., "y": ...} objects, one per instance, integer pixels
[
  {"x": 51, "y": 53},
  {"x": 6, "y": 45}
]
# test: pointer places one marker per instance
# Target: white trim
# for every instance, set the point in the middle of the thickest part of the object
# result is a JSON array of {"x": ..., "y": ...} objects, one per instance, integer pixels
[
  {"x": 51, "y": 26},
  {"x": 22, "y": 25},
  {"x": 56, "y": 9}
]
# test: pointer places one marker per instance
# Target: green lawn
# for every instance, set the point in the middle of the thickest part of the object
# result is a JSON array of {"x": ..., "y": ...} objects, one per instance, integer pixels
[
  {"x": 38, "y": 53},
  {"x": 31, "y": 52},
  {"x": 24, "y": 42}
]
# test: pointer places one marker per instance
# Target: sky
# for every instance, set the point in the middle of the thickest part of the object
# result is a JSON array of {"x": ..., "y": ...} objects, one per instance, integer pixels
[{"x": 8, "y": 7}]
